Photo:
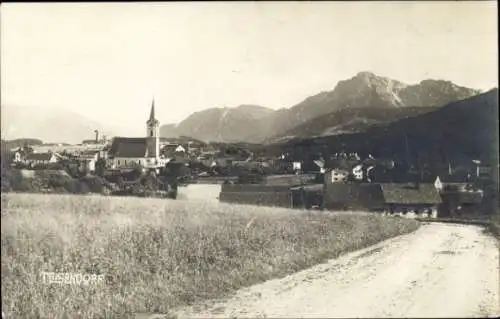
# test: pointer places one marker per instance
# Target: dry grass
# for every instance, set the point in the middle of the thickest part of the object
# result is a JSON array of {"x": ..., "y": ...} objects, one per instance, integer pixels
[{"x": 159, "y": 254}]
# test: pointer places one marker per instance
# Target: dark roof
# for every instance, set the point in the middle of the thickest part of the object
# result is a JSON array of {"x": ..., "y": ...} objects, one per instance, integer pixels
[
  {"x": 384, "y": 193},
  {"x": 129, "y": 147},
  {"x": 363, "y": 193},
  {"x": 39, "y": 156},
  {"x": 89, "y": 152},
  {"x": 309, "y": 188},
  {"x": 172, "y": 147},
  {"x": 455, "y": 179},
  {"x": 289, "y": 180},
  {"x": 395, "y": 193}
]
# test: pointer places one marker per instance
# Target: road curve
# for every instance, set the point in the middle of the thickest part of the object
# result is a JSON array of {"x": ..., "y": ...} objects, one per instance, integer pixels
[{"x": 441, "y": 270}]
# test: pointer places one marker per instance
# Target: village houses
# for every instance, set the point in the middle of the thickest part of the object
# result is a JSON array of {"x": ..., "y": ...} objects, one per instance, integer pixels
[
  {"x": 87, "y": 161},
  {"x": 40, "y": 159}
]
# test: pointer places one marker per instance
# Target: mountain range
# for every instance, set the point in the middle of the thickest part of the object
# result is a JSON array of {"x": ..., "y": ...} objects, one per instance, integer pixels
[
  {"x": 242, "y": 123},
  {"x": 353, "y": 105},
  {"x": 51, "y": 125},
  {"x": 461, "y": 130}
]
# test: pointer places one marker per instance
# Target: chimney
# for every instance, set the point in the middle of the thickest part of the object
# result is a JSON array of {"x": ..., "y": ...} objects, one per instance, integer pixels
[{"x": 96, "y": 136}]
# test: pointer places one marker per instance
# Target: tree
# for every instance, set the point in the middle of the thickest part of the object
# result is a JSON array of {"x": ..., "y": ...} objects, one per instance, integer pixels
[
  {"x": 100, "y": 167},
  {"x": 150, "y": 184},
  {"x": 138, "y": 167},
  {"x": 27, "y": 149},
  {"x": 6, "y": 178},
  {"x": 119, "y": 182}
]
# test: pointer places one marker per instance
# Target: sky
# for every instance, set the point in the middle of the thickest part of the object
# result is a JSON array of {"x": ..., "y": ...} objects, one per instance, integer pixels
[{"x": 107, "y": 61}]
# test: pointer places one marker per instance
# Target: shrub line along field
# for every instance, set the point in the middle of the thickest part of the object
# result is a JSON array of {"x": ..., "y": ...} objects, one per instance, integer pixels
[{"x": 158, "y": 254}]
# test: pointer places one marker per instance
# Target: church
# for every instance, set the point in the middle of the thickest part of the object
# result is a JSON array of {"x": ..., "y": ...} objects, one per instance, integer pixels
[{"x": 126, "y": 152}]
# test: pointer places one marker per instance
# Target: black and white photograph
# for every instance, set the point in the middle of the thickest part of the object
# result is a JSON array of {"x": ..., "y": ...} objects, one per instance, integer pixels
[{"x": 250, "y": 159}]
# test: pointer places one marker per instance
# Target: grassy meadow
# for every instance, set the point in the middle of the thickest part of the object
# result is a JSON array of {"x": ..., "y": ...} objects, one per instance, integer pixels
[{"x": 159, "y": 254}]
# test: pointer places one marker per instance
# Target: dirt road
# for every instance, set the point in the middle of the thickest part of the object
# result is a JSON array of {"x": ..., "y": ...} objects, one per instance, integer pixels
[{"x": 441, "y": 270}]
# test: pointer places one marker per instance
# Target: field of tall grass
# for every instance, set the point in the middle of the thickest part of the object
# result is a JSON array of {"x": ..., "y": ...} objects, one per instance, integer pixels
[{"x": 158, "y": 254}]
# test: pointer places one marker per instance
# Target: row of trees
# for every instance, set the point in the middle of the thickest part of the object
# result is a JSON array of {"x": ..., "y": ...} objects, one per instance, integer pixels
[{"x": 52, "y": 183}]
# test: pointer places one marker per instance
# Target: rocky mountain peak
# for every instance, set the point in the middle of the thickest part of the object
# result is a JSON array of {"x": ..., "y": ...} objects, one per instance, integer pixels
[
  {"x": 365, "y": 75},
  {"x": 364, "y": 93}
]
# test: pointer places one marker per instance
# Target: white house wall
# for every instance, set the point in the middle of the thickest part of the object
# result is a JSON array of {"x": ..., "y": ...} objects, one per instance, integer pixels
[
  {"x": 123, "y": 162},
  {"x": 126, "y": 162}
]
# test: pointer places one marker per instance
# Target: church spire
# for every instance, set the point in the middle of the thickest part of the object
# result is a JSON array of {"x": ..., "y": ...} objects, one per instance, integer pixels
[
  {"x": 153, "y": 125},
  {"x": 152, "y": 113}
]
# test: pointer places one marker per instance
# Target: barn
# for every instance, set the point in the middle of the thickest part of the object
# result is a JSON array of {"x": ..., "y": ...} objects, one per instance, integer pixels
[
  {"x": 352, "y": 196},
  {"x": 418, "y": 198},
  {"x": 257, "y": 194},
  {"x": 396, "y": 198}
]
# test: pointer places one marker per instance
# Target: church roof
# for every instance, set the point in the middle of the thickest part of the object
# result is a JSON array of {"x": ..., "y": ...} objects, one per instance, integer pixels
[{"x": 129, "y": 147}]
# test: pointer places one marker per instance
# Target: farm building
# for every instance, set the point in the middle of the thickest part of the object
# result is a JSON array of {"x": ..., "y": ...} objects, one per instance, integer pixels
[
  {"x": 275, "y": 190},
  {"x": 256, "y": 194},
  {"x": 412, "y": 197},
  {"x": 388, "y": 197},
  {"x": 352, "y": 196},
  {"x": 394, "y": 198},
  {"x": 307, "y": 196}
]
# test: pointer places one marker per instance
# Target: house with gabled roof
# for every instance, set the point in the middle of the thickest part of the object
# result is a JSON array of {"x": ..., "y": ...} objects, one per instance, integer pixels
[
  {"x": 87, "y": 160},
  {"x": 410, "y": 197},
  {"x": 388, "y": 197}
]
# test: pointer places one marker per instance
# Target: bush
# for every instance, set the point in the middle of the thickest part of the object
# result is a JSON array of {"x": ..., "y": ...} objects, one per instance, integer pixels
[
  {"x": 43, "y": 182},
  {"x": 57, "y": 181},
  {"x": 6, "y": 178},
  {"x": 94, "y": 184}
]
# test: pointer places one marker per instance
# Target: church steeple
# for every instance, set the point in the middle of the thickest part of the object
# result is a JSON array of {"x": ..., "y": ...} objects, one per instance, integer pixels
[
  {"x": 153, "y": 125},
  {"x": 153, "y": 133},
  {"x": 152, "y": 118}
]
